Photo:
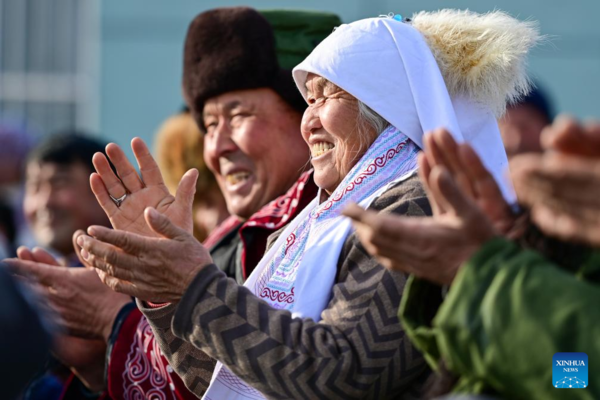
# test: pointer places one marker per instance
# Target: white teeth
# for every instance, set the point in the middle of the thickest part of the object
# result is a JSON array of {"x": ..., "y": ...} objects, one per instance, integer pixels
[
  {"x": 237, "y": 177},
  {"x": 318, "y": 149}
]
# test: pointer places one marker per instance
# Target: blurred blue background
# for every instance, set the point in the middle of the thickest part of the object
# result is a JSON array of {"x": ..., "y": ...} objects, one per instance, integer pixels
[{"x": 113, "y": 67}]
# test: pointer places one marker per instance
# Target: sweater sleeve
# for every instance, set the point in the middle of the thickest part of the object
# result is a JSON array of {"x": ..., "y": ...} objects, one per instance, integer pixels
[
  {"x": 508, "y": 312},
  {"x": 357, "y": 350},
  {"x": 191, "y": 365}
]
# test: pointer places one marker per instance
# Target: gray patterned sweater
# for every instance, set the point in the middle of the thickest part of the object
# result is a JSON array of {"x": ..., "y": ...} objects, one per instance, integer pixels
[{"x": 357, "y": 350}]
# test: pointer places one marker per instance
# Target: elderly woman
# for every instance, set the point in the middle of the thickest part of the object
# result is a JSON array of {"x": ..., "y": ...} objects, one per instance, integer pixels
[{"x": 317, "y": 317}]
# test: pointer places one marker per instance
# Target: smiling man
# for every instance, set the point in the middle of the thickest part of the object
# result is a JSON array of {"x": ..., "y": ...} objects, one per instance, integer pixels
[
  {"x": 58, "y": 200},
  {"x": 248, "y": 137}
]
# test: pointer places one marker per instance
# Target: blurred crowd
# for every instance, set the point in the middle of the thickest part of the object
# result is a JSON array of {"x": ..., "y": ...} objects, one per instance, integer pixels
[{"x": 374, "y": 224}]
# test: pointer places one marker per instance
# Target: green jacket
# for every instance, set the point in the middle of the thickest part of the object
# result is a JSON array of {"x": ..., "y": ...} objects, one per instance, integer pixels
[{"x": 508, "y": 311}]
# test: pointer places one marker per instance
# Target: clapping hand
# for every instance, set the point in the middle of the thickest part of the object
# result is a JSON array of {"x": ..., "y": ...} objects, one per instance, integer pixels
[
  {"x": 468, "y": 210},
  {"x": 140, "y": 191},
  {"x": 157, "y": 269},
  {"x": 84, "y": 306},
  {"x": 562, "y": 185}
]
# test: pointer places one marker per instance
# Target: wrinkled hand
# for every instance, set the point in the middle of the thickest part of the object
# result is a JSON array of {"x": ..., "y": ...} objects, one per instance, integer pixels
[
  {"x": 431, "y": 248},
  {"x": 469, "y": 173},
  {"x": 84, "y": 306},
  {"x": 148, "y": 190},
  {"x": 83, "y": 312},
  {"x": 151, "y": 269},
  {"x": 562, "y": 186}
]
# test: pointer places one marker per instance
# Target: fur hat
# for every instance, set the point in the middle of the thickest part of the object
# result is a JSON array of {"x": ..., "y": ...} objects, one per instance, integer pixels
[
  {"x": 481, "y": 56},
  {"x": 229, "y": 49}
]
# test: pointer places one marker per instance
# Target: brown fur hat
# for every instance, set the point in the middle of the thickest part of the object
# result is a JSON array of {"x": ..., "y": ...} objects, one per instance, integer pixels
[{"x": 230, "y": 49}]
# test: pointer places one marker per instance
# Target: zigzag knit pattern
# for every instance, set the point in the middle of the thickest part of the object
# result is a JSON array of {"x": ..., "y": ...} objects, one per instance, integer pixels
[{"x": 357, "y": 350}]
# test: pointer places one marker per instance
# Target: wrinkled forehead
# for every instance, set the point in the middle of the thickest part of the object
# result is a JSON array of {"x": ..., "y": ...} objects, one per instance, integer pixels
[
  {"x": 316, "y": 83},
  {"x": 255, "y": 98}
]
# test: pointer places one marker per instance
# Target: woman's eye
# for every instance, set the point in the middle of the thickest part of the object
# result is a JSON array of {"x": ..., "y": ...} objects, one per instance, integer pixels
[{"x": 317, "y": 101}]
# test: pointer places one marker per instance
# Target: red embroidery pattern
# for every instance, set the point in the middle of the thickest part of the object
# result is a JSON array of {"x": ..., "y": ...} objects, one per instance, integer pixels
[
  {"x": 278, "y": 296},
  {"x": 290, "y": 241},
  {"x": 144, "y": 378}
]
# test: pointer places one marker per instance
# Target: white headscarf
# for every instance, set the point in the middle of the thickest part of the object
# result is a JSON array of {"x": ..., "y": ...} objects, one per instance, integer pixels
[{"x": 387, "y": 64}]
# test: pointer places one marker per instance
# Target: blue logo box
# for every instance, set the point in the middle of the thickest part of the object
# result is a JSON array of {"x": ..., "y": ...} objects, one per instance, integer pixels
[{"x": 570, "y": 371}]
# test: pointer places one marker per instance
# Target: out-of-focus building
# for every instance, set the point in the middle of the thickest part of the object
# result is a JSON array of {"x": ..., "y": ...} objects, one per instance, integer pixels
[
  {"x": 49, "y": 63},
  {"x": 115, "y": 66}
]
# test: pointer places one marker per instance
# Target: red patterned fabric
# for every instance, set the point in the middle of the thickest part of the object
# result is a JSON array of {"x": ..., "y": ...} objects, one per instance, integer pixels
[{"x": 137, "y": 368}]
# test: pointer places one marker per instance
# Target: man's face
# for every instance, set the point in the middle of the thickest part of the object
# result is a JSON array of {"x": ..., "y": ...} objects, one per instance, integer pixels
[
  {"x": 253, "y": 146},
  {"x": 521, "y": 128},
  {"x": 58, "y": 201}
]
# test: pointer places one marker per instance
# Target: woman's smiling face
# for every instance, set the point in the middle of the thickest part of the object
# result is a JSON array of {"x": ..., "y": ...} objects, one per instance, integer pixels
[{"x": 330, "y": 128}]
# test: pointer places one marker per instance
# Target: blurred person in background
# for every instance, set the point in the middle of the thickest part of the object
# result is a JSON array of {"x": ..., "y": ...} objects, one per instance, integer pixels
[
  {"x": 58, "y": 201},
  {"x": 24, "y": 336},
  {"x": 522, "y": 124},
  {"x": 244, "y": 77},
  {"x": 15, "y": 143},
  {"x": 179, "y": 147},
  {"x": 8, "y": 230}
]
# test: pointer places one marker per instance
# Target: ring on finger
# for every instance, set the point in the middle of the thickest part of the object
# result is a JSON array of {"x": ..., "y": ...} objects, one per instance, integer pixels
[{"x": 118, "y": 200}]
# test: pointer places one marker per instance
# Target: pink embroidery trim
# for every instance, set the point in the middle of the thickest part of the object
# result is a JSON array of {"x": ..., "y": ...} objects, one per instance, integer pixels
[
  {"x": 378, "y": 163},
  {"x": 277, "y": 295}
]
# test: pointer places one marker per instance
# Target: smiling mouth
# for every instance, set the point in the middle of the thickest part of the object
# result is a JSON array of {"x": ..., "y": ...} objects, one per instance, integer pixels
[
  {"x": 320, "y": 148},
  {"x": 237, "y": 177}
]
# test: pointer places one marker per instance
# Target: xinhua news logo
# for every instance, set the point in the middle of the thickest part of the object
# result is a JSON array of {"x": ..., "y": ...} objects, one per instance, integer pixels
[{"x": 570, "y": 370}]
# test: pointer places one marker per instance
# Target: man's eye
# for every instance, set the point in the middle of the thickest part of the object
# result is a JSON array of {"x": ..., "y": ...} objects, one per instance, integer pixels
[{"x": 238, "y": 117}]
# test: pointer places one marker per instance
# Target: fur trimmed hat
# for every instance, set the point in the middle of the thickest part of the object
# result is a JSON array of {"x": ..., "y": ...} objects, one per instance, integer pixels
[
  {"x": 480, "y": 55},
  {"x": 234, "y": 48}
]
